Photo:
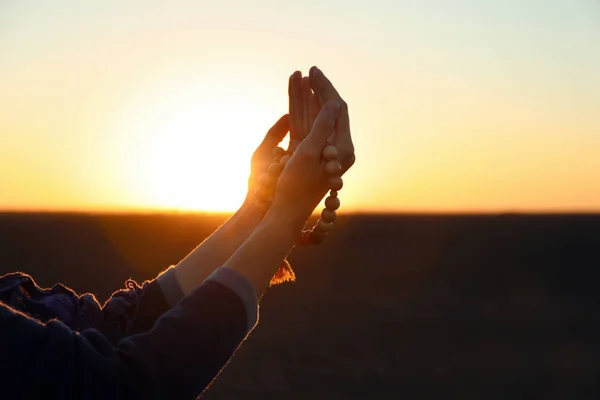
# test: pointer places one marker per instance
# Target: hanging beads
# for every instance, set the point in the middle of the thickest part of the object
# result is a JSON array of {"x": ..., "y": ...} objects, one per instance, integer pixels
[{"x": 332, "y": 203}]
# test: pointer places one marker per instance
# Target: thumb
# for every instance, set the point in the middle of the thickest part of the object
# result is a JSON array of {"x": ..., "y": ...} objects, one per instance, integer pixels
[
  {"x": 324, "y": 125},
  {"x": 276, "y": 133}
]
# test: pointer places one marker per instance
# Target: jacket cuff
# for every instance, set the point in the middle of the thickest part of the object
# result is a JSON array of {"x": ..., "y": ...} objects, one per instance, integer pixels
[
  {"x": 170, "y": 286},
  {"x": 239, "y": 284}
]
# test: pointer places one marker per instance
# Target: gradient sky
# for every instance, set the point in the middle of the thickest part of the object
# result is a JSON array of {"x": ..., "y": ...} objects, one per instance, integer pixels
[{"x": 455, "y": 105}]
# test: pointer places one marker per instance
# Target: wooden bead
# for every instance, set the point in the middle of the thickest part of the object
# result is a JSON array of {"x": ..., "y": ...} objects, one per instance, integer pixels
[
  {"x": 278, "y": 152},
  {"x": 275, "y": 169},
  {"x": 284, "y": 160},
  {"x": 336, "y": 183},
  {"x": 330, "y": 152},
  {"x": 324, "y": 226},
  {"x": 333, "y": 167},
  {"x": 328, "y": 215},
  {"x": 332, "y": 203},
  {"x": 333, "y": 193}
]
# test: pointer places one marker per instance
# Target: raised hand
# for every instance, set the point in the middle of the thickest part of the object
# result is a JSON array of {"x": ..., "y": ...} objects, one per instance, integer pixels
[
  {"x": 263, "y": 155},
  {"x": 300, "y": 181},
  {"x": 304, "y": 180}
]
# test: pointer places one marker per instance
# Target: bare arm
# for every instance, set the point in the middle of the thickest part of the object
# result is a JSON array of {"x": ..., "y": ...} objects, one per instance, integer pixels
[
  {"x": 216, "y": 249},
  {"x": 263, "y": 252}
]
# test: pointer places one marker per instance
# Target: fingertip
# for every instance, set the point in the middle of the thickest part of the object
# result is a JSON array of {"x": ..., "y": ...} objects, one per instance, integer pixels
[
  {"x": 311, "y": 75},
  {"x": 284, "y": 119},
  {"x": 278, "y": 130}
]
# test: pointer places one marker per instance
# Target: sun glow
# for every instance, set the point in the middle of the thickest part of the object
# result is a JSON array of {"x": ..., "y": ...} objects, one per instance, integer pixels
[{"x": 189, "y": 147}]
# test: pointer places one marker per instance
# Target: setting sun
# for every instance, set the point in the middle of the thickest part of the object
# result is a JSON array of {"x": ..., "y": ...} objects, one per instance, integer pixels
[{"x": 189, "y": 146}]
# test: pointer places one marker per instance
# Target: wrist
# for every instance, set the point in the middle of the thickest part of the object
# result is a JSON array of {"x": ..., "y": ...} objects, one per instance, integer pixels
[
  {"x": 289, "y": 222},
  {"x": 248, "y": 216}
]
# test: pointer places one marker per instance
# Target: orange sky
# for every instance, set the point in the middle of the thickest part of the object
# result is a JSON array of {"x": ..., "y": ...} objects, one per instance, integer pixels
[{"x": 478, "y": 106}]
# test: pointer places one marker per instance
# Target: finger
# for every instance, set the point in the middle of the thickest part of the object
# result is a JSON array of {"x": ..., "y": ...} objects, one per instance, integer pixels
[
  {"x": 306, "y": 93},
  {"x": 322, "y": 86},
  {"x": 323, "y": 127},
  {"x": 342, "y": 139},
  {"x": 313, "y": 108},
  {"x": 276, "y": 133},
  {"x": 295, "y": 105}
]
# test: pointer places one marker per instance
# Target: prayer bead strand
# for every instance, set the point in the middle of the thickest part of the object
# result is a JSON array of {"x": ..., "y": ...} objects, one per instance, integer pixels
[{"x": 328, "y": 216}]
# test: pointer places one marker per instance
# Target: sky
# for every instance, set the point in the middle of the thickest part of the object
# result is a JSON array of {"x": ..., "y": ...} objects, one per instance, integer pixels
[{"x": 455, "y": 106}]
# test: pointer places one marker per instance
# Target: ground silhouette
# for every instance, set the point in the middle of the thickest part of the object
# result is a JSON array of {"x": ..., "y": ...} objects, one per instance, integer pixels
[{"x": 407, "y": 306}]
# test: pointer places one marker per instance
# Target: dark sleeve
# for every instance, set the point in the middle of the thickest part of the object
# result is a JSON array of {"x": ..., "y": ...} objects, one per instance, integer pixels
[
  {"x": 136, "y": 308},
  {"x": 151, "y": 306},
  {"x": 176, "y": 359}
]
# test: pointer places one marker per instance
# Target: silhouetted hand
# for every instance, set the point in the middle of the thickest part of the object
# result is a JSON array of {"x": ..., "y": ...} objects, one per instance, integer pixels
[
  {"x": 263, "y": 155},
  {"x": 304, "y": 182},
  {"x": 303, "y": 108}
]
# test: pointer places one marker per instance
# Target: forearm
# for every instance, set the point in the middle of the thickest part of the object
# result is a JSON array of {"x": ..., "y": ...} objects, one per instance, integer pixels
[
  {"x": 216, "y": 249},
  {"x": 265, "y": 249}
]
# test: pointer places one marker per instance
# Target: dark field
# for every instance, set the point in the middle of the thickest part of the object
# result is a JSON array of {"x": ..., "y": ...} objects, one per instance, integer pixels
[{"x": 408, "y": 307}]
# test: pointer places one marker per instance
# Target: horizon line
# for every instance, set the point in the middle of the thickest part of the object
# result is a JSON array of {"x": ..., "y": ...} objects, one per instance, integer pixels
[{"x": 144, "y": 211}]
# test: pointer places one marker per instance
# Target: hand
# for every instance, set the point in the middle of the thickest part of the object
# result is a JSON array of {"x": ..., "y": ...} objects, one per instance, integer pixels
[
  {"x": 263, "y": 155},
  {"x": 304, "y": 106},
  {"x": 325, "y": 92},
  {"x": 304, "y": 182},
  {"x": 303, "y": 109}
]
